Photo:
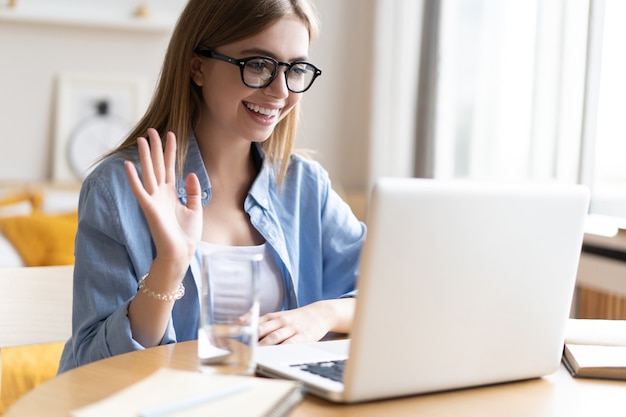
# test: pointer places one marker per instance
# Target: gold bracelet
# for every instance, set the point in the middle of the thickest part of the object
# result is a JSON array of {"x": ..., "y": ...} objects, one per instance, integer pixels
[{"x": 176, "y": 295}]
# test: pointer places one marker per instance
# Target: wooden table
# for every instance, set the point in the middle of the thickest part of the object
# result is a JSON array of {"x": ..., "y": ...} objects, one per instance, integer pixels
[{"x": 555, "y": 395}]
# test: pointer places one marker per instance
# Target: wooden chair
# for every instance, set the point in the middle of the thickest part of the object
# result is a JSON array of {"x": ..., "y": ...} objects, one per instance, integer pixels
[{"x": 35, "y": 306}]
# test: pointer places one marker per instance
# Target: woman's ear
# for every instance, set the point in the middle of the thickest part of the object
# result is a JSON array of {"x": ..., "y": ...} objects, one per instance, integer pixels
[{"x": 197, "y": 71}]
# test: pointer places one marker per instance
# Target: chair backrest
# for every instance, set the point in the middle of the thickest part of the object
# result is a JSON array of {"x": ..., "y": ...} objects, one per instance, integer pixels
[{"x": 35, "y": 305}]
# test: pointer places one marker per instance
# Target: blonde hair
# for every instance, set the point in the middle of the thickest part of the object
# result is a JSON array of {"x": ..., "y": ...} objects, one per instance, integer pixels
[{"x": 176, "y": 103}]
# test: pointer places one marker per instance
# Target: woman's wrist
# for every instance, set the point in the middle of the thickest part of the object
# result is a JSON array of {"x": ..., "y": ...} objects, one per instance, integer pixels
[
  {"x": 171, "y": 296},
  {"x": 164, "y": 279},
  {"x": 338, "y": 313},
  {"x": 175, "y": 269}
]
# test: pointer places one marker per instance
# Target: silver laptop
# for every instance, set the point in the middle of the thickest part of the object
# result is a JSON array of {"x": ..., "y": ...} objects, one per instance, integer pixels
[{"x": 461, "y": 284}]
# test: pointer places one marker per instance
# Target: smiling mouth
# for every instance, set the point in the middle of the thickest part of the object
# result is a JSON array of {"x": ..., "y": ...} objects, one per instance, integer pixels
[{"x": 262, "y": 110}]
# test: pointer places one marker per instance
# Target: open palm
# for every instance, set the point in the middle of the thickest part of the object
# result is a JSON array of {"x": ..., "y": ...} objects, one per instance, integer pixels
[{"x": 176, "y": 229}]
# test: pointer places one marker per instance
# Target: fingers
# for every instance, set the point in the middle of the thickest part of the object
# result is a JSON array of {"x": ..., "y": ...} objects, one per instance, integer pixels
[
  {"x": 268, "y": 325},
  {"x": 277, "y": 336},
  {"x": 145, "y": 160},
  {"x": 304, "y": 324},
  {"x": 170, "y": 158},
  {"x": 276, "y": 328},
  {"x": 135, "y": 182},
  {"x": 156, "y": 154},
  {"x": 157, "y": 166}
]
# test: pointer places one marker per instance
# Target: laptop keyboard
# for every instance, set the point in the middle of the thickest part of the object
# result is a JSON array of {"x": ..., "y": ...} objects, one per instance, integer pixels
[{"x": 330, "y": 369}]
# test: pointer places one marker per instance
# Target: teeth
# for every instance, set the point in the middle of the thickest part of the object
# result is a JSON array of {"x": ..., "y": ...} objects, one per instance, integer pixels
[{"x": 262, "y": 110}]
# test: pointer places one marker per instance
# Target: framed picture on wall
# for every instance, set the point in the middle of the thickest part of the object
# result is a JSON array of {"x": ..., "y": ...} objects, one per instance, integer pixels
[{"x": 94, "y": 113}]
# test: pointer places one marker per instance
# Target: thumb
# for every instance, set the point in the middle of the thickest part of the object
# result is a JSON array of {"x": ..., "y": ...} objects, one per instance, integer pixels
[{"x": 194, "y": 201}]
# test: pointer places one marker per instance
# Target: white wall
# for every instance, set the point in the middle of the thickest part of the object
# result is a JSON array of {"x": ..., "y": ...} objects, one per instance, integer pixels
[
  {"x": 336, "y": 110},
  {"x": 32, "y": 54}
]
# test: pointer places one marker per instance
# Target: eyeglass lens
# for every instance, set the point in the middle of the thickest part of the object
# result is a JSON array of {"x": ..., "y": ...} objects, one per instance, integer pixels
[{"x": 259, "y": 72}]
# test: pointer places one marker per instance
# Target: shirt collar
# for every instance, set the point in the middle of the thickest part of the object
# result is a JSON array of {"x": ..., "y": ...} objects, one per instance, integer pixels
[
  {"x": 259, "y": 191},
  {"x": 194, "y": 164}
]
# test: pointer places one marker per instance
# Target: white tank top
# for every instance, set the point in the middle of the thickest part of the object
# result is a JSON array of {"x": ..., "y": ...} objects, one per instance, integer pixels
[{"x": 271, "y": 285}]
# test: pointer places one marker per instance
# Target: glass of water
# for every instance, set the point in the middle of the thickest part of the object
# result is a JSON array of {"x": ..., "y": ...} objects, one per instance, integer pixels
[{"x": 229, "y": 312}]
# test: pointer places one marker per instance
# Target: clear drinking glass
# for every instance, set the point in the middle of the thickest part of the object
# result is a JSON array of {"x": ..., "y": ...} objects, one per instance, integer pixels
[{"x": 229, "y": 312}]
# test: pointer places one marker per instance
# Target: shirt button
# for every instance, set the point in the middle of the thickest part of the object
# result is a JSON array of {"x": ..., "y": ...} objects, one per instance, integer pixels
[
  {"x": 265, "y": 202},
  {"x": 205, "y": 195},
  {"x": 181, "y": 191}
]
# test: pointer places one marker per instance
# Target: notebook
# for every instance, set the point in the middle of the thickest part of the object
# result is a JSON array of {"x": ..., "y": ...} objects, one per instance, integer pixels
[
  {"x": 461, "y": 284},
  {"x": 172, "y": 392}
]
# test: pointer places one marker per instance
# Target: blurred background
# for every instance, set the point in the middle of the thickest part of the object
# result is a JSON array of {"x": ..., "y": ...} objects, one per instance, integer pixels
[
  {"x": 490, "y": 90},
  {"x": 516, "y": 90}
]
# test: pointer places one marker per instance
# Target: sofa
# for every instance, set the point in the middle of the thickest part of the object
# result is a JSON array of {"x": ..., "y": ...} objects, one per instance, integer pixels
[{"x": 38, "y": 224}]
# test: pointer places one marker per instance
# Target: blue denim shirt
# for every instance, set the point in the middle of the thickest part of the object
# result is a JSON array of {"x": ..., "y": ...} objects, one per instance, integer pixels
[{"x": 313, "y": 235}]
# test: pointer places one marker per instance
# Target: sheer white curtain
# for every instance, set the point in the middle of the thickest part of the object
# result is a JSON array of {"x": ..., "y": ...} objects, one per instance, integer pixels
[
  {"x": 394, "y": 87},
  {"x": 605, "y": 165},
  {"x": 510, "y": 89}
]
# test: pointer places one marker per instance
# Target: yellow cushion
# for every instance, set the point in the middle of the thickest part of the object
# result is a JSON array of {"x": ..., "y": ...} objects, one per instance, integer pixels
[
  {"x": 13, "y": 198},
  {"x": 16, "y": 205},
  {"x": 25, "y": 367},
  {"x": 42, "y": 239}
]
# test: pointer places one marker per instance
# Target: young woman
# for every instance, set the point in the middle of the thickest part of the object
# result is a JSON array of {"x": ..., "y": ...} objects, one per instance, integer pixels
[{"x": 212, "y": 163}]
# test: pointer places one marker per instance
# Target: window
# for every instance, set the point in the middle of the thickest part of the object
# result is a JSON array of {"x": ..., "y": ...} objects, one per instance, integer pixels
[
  {"x": 510, "y": 90},
  {"x": 534, "y": 91},
  {"x": 607, "y": 163}
]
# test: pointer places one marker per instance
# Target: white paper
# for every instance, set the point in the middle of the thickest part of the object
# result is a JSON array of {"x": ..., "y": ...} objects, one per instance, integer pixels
[
  {"x": 596, "y": 332},
  {"x": 168, "y": 385}
]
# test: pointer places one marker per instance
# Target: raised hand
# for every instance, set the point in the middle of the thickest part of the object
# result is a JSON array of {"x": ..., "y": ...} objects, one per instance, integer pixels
[{"x": 176, "y": 229}]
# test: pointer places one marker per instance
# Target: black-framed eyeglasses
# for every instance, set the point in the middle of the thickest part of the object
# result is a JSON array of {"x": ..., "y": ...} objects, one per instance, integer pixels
[{"x": 260, "y": 71}]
